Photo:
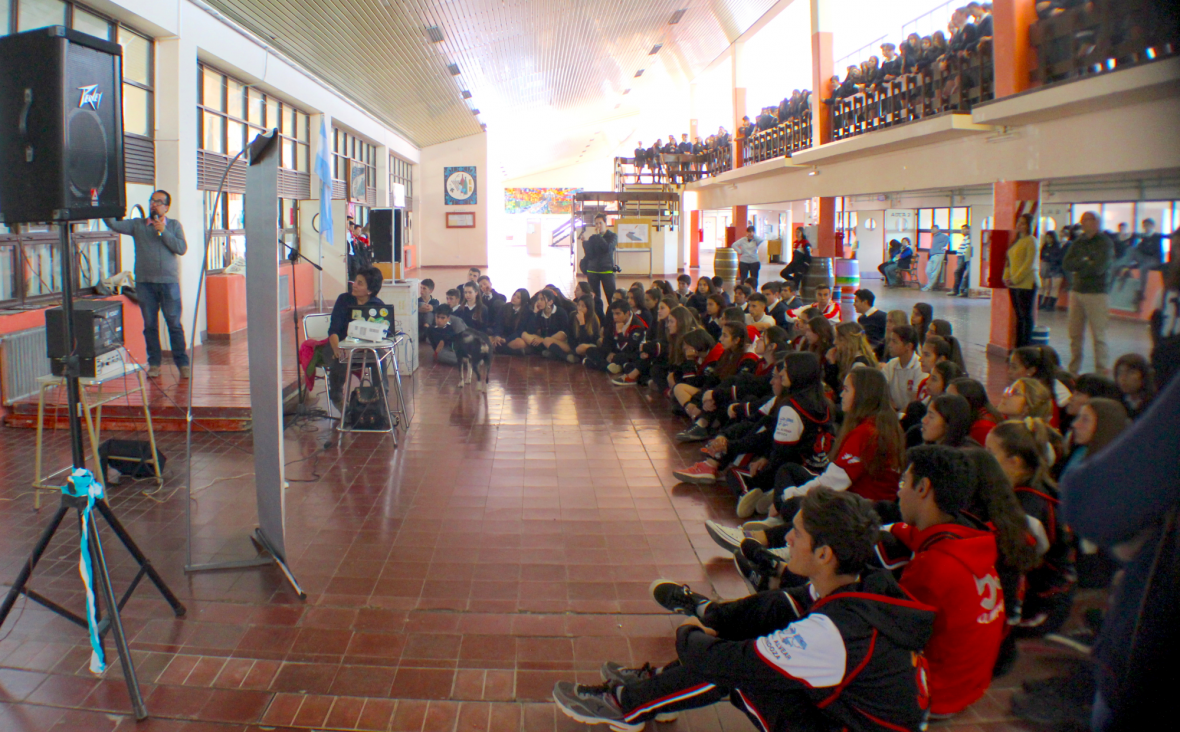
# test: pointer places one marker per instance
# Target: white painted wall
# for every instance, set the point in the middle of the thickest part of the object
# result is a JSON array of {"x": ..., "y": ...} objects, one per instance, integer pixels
[{"x": 440, "y": 246}]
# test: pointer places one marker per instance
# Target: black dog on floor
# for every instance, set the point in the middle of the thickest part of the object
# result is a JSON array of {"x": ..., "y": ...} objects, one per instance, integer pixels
[{"x": 474, "y": 350}]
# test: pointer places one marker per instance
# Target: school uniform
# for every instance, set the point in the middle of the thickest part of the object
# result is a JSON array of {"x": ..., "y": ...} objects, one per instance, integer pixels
[
  {"x": 903, "y": 380},
  {"x": 791, "y": 661},
  {"x": 1049, "y": 587},
  {"x": 848, "y": 471},
  {"x": 831, "y": 312},
  {"x": 622, "y": 347}
]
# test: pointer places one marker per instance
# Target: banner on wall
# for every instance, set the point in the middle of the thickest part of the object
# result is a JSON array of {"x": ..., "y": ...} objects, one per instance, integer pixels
[{"x": 539, "y": 200}]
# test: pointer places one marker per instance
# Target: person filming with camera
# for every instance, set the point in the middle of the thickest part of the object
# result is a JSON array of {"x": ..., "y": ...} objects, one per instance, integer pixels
[
  {"x": 599, "y": 262},
  {"x": 159, "y": 244}
]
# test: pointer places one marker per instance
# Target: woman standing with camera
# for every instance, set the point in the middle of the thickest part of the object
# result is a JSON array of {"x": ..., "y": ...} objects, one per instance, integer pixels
[{"x": 599, "y": 262}]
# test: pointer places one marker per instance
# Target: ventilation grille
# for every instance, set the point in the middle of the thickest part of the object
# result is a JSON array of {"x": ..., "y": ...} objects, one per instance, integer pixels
[
  {"x": 22, "y": 361},
  {"x": 139, "y": 159}
]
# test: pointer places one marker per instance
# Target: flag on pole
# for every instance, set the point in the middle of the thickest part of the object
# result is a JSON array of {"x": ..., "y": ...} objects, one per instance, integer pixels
[{"x": 323, "y": 170}]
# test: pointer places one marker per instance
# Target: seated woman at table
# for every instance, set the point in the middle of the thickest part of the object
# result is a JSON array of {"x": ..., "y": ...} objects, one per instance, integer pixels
[{"x": 359, "y": 303}]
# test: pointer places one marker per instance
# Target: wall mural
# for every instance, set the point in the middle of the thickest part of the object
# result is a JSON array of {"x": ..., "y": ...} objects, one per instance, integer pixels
[{"x": 539, "y": 200}]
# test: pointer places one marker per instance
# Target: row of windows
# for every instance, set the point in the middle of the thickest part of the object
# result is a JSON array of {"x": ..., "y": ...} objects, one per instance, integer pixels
[
  {"x": 347, "y": 147},
  {"x": 23, "y": 15},
  {"x": 401, "y": 172},
  {"x": 232, "y": 113}
]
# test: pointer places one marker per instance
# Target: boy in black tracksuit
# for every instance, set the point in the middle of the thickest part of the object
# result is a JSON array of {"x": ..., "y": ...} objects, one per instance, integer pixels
[
  {"x": 840, "y": 653},
  {"x": 621, "y": 346}
]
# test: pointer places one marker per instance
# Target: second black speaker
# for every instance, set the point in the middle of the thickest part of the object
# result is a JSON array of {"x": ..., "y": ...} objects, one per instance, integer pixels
[
  {"x": 61, "y": 127},
  {"x": 385, "y": 234}
]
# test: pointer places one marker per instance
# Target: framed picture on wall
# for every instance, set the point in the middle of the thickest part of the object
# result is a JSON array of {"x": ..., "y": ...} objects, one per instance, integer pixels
[
  {"x": 461, "y": 220},
  {"x": 357, "y": 189},
  {"x": 459, "y": 186}
]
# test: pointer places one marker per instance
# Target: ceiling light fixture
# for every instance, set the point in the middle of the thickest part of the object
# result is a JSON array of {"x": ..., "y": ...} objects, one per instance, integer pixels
[
  {"x": 655, "y": 49},
  {"x": 677, "y": 16},
  {"x": 435, "y": 34},
  {"x": 814, "y": 171},
  {"x": 639, "y": 73},
  {"x": 475, "y": 111},
  {"x": 466, "y": 94},
  {"x": 453, "y": 68}
]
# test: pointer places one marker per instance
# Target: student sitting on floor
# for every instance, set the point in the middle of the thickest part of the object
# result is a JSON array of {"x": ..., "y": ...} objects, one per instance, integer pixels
[
  {"x": 986, "y": 416},
  {"x": 472, "y": 311},
  {"x": 548, "y": 336},
  {"x": 949, "y": 564},
  {"x": 516, "y": 319},
  {"x": 736, "y": 357},
  {"x": 442, "y": 336},
  {"x": 851, "y": 350},
  {"x": 585, "y": 329},
  {"x": 426, "y": 304},
  {"x": 653, "y": 354},
  {"x": 623, "y": 345},
  {"x": 683, "y": 283},
  {"x": 1021, "y": 448},
  {"x": 741, "y": 296},
  {"x": 711, "y": 315},
  {"x": 903, "y": 371},
  {"x": 824, "y": 303},
  {"x": 775, "y": 307},
  {"x": 1136, "y": 379},
  {"x": 697, "y": 299},
  {"x": 756, "y": 314},
  {"x": 840, "y": 653}
]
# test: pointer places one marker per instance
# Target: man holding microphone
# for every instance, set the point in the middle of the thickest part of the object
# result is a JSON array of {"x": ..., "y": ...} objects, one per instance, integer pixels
[{"x": 159, "y": 244}]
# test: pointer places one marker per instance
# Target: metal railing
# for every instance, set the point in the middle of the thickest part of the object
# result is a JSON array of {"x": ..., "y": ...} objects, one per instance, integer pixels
[
  {"x": 953, "y": 84},
  {"x": 1102, "y": 36},
  {"x": 778, "y": 141}
]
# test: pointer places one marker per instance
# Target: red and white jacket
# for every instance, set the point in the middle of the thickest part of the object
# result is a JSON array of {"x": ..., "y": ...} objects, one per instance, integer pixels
[
  {"x": 848, "y": 471},
  {"x": 831, "y": 312}
]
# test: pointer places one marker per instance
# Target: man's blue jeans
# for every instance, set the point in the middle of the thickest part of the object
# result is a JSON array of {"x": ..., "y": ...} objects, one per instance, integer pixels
[{"x": 155, "y": 297}]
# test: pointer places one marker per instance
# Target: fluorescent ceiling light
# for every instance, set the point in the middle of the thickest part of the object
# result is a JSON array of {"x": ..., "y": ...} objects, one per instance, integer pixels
[
  {"x": 453, "y": 68},
  {"x": 655, "y": 49},
  {"x": 677, "y": 16},
  {"x": 435, "y": 34}
]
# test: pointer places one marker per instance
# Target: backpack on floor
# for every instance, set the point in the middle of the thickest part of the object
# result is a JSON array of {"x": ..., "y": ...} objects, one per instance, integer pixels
[{"x": 365, "y": 409}]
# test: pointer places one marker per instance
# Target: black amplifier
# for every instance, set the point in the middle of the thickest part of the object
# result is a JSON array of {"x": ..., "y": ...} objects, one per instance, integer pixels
[{"x": 98, "y": 329}]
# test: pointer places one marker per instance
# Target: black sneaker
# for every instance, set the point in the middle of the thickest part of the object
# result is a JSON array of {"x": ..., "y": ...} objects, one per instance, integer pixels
[
  {"x": 766, "y": 560},
  {"x": 756, "y": 580},
  {"x": 592, "y": 705},
  {"x": 678, "y": 598},
  {"x": 696, "y": 433}
]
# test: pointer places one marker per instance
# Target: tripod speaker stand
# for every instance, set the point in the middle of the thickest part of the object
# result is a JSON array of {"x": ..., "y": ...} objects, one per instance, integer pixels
[
  {"x": 61, "y": 160},
  {"x": 106, "y": 591}
]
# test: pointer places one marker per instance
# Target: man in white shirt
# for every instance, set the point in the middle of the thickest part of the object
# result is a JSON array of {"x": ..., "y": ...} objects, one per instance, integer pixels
[
  {"x": 904, "y": 371},
  {"x": 747, "y": 249},
  {"x": 756, "y": 314},
  {"x": 824, "y": 303}
]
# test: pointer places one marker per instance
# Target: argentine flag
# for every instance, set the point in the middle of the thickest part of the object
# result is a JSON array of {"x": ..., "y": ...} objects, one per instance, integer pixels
[{"x": 323, "y": 170}]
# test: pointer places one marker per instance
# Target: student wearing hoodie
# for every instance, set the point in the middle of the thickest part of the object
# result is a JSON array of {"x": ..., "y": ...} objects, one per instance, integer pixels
[
  {"x": 842, "y": 651},
  {"x": 949, "y": 563}
]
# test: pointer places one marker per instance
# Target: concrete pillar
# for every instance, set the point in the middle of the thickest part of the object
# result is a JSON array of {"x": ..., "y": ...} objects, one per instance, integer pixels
[
  {"x": 822, "y": 63},
  {"x": 384, "y": 197},
  {"x": 176, "y": 163},
  {"x": 738, "y": 86},
  {"x": 1010, "y": 200},
  {"x": 1010, "y": 44},
  {"x": 740, "y": 222},
  {"x": 821, "y": 72}
]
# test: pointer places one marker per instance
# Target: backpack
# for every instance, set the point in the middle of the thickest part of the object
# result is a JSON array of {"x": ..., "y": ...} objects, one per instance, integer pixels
[{"x": 365, "y": 410}]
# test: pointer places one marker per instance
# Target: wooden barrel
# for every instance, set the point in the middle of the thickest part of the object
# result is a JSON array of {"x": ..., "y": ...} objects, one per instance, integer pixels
[
  {"x": 725, "y": 266},
  {"x": 819, "y": 273}
]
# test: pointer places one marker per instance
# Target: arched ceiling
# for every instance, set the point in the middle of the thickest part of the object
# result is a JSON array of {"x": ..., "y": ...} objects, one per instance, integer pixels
[{"x": 555, "y": 64}]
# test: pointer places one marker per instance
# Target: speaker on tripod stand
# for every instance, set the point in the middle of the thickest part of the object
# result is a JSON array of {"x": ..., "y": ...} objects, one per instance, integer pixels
[{"x": 61, "y": 160}]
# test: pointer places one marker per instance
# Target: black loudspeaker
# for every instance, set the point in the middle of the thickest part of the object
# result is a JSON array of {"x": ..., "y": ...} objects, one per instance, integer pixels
[
  {"x": 381, "y": 224},
  {"x": 61, "y": 127},
  {"x": 399, "y": 218}
]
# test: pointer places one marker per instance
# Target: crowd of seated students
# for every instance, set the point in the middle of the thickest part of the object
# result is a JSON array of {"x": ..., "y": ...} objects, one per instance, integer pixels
[
  {"x": 969, "y": 32},
  {"x": 872, "y": 468}
]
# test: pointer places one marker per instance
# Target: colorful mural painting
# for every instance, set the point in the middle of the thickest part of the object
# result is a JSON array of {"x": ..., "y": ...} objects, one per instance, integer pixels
[{"x": 539, "y": 200}]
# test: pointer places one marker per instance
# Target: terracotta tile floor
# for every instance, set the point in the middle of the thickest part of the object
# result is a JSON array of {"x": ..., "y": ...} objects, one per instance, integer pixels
[{"x": 506, "y": 544}]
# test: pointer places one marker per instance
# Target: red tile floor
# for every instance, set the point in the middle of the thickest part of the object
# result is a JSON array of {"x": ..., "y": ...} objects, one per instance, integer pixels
[{"x": 506, "y": 544}]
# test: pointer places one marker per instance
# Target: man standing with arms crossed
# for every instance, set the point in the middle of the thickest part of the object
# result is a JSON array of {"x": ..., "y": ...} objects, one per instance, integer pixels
[
  {"x": 159, "y": 244},
  {"x": 1087, "y": 262}
]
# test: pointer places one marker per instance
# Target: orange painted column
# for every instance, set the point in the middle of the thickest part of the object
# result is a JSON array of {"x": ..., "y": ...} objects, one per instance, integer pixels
[
  {"x": 1010, "y": 200},
  {"x": 740, "y": 221},
  {"x": 822, "y": 63},
  {"x": 1014, "y": 55},
  {"x": 694, "y": 239}
]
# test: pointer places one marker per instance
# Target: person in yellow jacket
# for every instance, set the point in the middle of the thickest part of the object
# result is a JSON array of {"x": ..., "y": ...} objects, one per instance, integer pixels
[{"x": 1020, "y": 275}]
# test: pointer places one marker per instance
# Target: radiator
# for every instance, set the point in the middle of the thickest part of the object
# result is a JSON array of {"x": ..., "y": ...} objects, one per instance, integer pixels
[{"x": 22, "y": 361}]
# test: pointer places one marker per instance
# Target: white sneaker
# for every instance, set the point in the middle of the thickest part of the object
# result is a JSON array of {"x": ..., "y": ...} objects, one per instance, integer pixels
[
  {"x": 727, "y": 537},
  {"x": 614, "y": 368},
  {"x": 767, "y": 523}
]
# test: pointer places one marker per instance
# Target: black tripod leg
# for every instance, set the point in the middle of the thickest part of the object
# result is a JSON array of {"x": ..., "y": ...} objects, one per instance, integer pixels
[
  {"x": 26, "y": 570},
  {"x": 143, "y": 561},
  {"x": 103, "y": 577}
]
